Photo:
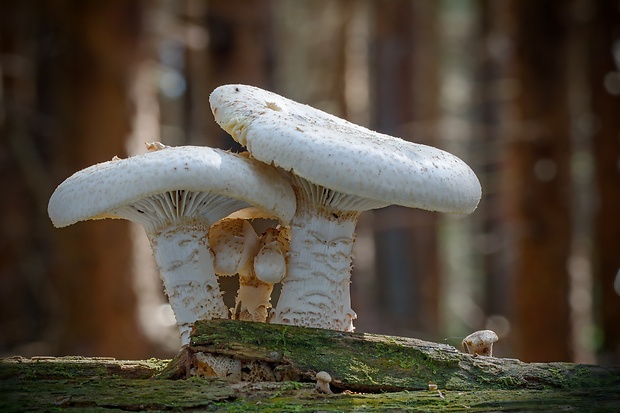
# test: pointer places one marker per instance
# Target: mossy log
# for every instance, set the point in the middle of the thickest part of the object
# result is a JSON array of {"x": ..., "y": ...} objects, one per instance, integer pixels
[
  {"x": 363, "y": 362},
  {"x": 370, "y": 372}
]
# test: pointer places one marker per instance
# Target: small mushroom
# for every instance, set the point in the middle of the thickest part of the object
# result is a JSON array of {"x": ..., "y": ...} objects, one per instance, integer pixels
[
  {"x": 322, "y": 382},
  {"x": 176, "y": 194},
  {"x": 480, "y": 343},
  {"x": 337, "y": 170},
  {"x": 259, "y": 261},
  {"x": 270, "y": 260}
]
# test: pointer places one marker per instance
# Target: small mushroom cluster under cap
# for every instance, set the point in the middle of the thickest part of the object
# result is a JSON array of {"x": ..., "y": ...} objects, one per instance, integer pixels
[
  {"x": 260, "y": 263},
  {"x": 312, "y": 172}
]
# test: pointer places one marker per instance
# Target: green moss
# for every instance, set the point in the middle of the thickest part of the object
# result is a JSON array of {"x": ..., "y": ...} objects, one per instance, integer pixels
[
  {"x": 358, "y": 359},
  {"x": 110, "y": 393},
  {"x": 75, "y": 367},
  {"x": 582, "y": 376},
  {"x": 431, "y": 401}
]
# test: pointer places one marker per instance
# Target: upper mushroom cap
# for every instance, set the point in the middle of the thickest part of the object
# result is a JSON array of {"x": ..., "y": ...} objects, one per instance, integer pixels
[
  {"x": 97, "y": 191},
  {"x": 334, "y": 153}
]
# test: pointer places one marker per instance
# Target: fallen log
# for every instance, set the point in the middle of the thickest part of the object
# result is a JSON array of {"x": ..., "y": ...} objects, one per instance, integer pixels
[
  {"x": 371, "y": 373},
  {"x": 363, "y": 362}
]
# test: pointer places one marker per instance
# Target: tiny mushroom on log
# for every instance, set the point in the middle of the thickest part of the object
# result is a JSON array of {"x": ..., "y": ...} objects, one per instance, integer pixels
[
  {"x": 176, "y": 194},
  {"x": 337, "y": 170},
  {"x": 259, "y": 261},
  {"x": 322, "y": 382},
  {"x": 480, "y": 343}
]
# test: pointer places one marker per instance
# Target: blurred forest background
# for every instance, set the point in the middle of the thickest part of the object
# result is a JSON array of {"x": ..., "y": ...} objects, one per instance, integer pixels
[{"x": 525, "y": 91}]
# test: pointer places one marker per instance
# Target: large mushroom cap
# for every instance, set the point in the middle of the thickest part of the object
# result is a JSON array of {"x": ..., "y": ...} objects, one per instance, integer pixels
[
  {"x": 336, "y": 154},
  {"x": 97, "y": 191}
]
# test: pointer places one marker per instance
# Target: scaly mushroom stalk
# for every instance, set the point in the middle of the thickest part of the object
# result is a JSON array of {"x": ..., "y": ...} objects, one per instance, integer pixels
[
  {"x": 321, "y": 248},
  {"x": 184, "y": 261},
  {"x": 178, "y": 238}
]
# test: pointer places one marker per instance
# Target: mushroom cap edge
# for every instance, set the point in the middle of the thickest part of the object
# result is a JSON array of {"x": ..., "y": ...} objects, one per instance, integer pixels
[{"x": 96, "y": 190}]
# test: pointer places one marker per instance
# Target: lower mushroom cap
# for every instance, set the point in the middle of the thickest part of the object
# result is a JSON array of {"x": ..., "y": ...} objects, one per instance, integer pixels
[{"x": 98, "y": 191}]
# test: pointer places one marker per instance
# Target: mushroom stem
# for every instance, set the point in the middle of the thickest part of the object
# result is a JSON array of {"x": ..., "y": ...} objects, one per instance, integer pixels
[
  {"x": 186, "y": 267},
  {"x": 315, "y": 291},
  {"x": 253, "y": 298}
]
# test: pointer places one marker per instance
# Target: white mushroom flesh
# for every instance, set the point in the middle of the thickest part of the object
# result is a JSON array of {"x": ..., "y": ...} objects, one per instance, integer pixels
[{"x": 234, "y": 243}]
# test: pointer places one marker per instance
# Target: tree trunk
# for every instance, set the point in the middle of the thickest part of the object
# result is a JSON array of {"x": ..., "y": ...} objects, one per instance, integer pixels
[
  {"x": 25, "y": 299},
  {"x": 497, "y": 92},
  {"x": 237, "y": 52},
  {"x": 605, "y": 84},
  {"x": 405, "y": 88},
  {"x": 373, "y": 363},
  {"x": 539, "y": 160},
  {"x": 92, "y": 69}
]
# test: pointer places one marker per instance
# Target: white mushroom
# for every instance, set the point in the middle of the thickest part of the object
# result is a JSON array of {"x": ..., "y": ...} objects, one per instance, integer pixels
[
  {"x": 259, "y": 261},
  {"x": 480, "y": 343},
  {"x": 322, "y": 382},
  {"x": 234, "y": 244},
  {"x": 337, "y": 170},
  {"x": 270, "y": 260},
  {"x": 176, "y": 194}
]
